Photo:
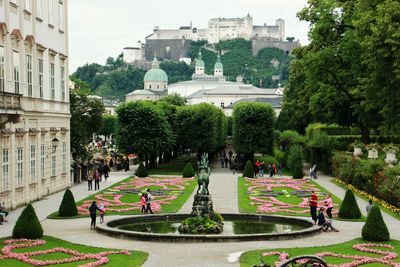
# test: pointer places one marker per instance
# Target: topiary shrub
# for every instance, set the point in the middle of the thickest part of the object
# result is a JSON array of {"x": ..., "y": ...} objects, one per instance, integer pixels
[
  {"x": 68, "y": 207},
  {"x": 295, "y": 161},
  {"x": 188, "y": 171},
  {"x": 375, "y": 228},
  {"x": 141, "y": 171},
  {"x": 349, "y": 208},
  {"x": 248, "y": 170},
  {"x": 28, "y": 225}
]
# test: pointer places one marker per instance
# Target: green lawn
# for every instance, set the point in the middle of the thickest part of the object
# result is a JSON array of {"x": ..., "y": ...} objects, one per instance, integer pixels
[
  {"x": 129, "y": 198},
  {"x": 137, "y": 258},
  {"x": 174, "y": 167},
  {"x": 246, "y": 207},
  {"x": 251, "y": 258}
]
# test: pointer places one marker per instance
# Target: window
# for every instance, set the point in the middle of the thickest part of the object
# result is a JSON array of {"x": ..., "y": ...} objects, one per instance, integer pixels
[
  {"x": 2, "y": 74},
  {"x": 16, "y": 71},
  {"x": 62, "y": 74},
  {"x": 53, "y": 160},
  {"x": 42, "y": 158},
  {"x": 28, "y": 5},
  {"x": 222, "y": 104},
  {"x": 51, "y": 17},
  {"x": 40, "y": 71},
  {"x": 5, "y": 169},
  {"x": 61, "y": 15},
  {"x": 64, "y": 158},
  {"x": 39, "y": 7},
  {"x": 20, "y": 166},
  {"x": 52, "y": 82},
  {"x": 33, "y": 163},
  {"x": 29, "y": 73}
]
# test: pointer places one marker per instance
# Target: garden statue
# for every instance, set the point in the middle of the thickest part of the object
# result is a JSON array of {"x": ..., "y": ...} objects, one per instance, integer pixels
[{"x": 203, "y": 176}]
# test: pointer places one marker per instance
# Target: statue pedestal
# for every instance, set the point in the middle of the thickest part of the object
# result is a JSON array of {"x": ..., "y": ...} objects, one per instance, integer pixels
[{"x": 202, "y": 205}]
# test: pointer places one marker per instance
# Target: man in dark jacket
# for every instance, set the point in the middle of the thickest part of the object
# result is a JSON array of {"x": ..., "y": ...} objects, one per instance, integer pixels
[{"x": 93, "y": 214}]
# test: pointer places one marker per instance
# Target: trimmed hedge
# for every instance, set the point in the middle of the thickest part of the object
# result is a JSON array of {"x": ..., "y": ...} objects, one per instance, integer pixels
[
  {"x": 68, "y": 207},
  {"x": 188, "y": 171},
  {"x": 295, "y": 161},
  {"x": 375, "y": 228},
  {"x": 28, "y": 225},
  {"x": 349, "y": 208},
  {"x": 248, "y": 170},
  {"x": 141, "y": 171}
]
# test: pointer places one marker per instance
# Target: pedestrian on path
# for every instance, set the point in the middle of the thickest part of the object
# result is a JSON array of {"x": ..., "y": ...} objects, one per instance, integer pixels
[
  {"x": 106, "y": 172},
  {"x": 322, "y": 221},
  {"x": 369, "y": 206},
  {"x": 226, "y": 161},
  {"x": 329, "y": 203},
  {"x": 3, "y": 214},
  {"x": 102, "y": 212},
  {"x": 90, "y": 180},
  {"x": 222, "y": 159},
  {"x": 143, "y": 203},
  {"x": 96, "y": 177},
  {"x": 313, "y": 201},
  {"x": 280, "y": 169},
  {"x": 93, "y": 214},
  {"x": 148, "y": 202}
]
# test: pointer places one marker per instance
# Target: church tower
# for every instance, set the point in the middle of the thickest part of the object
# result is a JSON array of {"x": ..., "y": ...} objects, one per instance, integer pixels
[
  {"x": 218, "y": 67},
  {"x": 199, "y": 65}
]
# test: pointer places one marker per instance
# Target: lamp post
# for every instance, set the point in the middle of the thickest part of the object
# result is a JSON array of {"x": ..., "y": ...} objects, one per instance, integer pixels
[{"x": 54, "y": 145}]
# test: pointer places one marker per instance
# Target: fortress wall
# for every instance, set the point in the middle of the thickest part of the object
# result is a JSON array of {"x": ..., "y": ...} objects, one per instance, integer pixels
[{"x": 167, "y": 49}]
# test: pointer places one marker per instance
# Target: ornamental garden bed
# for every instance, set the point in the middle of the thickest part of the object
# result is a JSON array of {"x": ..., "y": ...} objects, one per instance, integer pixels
[
  {"x": 280, "y": 196},
  {"x": 169, "y": 194},
  {"x": 50, "y": 251},
  {"x": 353, "y": 253}
]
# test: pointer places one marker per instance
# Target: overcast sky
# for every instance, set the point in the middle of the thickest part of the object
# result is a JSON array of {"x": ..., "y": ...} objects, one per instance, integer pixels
[{"x": 102, "y": 28}]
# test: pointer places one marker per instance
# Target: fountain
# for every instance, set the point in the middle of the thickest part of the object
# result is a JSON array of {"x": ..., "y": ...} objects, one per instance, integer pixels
[{"x": 204, "y": 225}]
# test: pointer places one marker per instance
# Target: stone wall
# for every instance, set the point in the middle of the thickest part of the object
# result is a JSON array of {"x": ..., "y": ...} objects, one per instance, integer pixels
[
  {"x": 260, "y": 43},
  {"x": 167, "y": 49}
]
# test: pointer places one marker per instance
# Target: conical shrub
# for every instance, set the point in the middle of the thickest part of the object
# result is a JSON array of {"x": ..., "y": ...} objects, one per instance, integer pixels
[
  {"x": 248, "y": 170},
  {"x": 375, "y": 228},
  {"x": 141, "y": 171},
  {"x": 349, "y": 208},
  {"x": 188, "y": 171},
  {"x": 28, "y": 225},
  {"x": 68, "y": 207},
  {"x": 295, "y": 161}
]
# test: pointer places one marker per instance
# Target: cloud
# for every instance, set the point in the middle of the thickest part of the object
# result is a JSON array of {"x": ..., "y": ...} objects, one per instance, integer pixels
[{"x": 102, "y": 28}]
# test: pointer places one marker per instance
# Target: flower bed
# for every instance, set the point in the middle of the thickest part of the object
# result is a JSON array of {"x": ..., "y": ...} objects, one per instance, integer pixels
[
  {"x": 8, "y": 253},
  {"x": 284, "y": 196},
  {"x": 123, "y": 198},
  {"x": 350, "y": 254}
]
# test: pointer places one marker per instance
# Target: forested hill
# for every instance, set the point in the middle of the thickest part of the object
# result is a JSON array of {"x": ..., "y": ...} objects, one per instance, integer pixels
[{"x": 115, "y": 79}]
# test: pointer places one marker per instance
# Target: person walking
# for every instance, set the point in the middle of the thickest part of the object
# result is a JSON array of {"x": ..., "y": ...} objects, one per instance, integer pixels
[
  {"x": 313, "y": 201},
  {"x": 126, "y": 163},
  {"x": 148, "y": 201},
  {"x": 369, "y": 206},
  {"x": 271, "y": 170},
  {"x": 280, "y": 169},
  {"x": 93, "y": 214},
  {"x": 102, "y": 212},
  {"x": 3, "y": 214},
  {"x": 226, "y": 162},
  {"x": 106, "y": 172},
  {"x": 143, "y": 203},
  {"x": 222, "y": 159},
  {"x": 90, "y": 180},
  {"x": 314, "y": 172},
  {"x": 96, "y": 178},
  {"x": 329, "y": 203},
  {"x": 234, "y": 165},
  {"x": 322, "y": 221}
]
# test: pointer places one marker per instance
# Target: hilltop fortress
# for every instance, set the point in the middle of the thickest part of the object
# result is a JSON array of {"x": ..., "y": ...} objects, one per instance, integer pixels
[{"x": 174, "y": 44}]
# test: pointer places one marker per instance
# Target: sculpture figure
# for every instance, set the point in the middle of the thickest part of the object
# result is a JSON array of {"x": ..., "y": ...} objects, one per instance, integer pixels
[{"x": 203, "y": 175}]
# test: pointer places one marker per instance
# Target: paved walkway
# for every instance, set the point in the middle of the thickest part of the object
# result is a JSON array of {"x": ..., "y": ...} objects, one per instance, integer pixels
[{"x": 223, "y": 186}]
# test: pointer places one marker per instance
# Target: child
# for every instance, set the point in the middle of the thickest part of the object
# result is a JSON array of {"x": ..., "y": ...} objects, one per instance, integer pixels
[
  {"x": 143, "y": 203},
  {"x": 102, "y": 211}
]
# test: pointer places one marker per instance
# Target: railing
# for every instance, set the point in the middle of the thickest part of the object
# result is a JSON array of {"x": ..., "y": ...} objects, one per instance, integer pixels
[
  {"x": 10, "y": 101},
  {"x": 299, "y": 261}
]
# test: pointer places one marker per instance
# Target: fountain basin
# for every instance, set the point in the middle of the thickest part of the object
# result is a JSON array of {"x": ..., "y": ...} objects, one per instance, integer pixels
[{"x": 291, "y": 228}]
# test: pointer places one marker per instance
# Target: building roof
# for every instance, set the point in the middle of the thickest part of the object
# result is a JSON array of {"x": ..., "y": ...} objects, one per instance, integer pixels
[
  {"x": 199, "y": 61},
  {"x": 155, "y": 74},
  {"x": 234, "y": 89},
  {"x": 218, "y": 65},
  {"x": 141, "y": 92},
  {"x": 275, "y": 102}
]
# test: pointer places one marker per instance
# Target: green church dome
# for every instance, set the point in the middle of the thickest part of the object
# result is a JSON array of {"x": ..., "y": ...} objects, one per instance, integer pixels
[
  {"x": 200, "y": 62},
  {"x": 155, "y": 74},
  {"x": 218, "y": 65}
]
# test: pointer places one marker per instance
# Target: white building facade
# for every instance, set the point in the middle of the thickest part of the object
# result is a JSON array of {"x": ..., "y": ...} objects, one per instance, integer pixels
[{"x": 34, "y": 100}]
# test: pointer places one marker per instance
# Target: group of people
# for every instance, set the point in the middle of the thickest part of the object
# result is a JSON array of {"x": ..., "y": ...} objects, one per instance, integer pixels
[
  {"x": 273, "y": 169},
  {"x": 145, "y": 202},
  {"x": 313, "y": 172},
  {"x": 97, "y": 176},
  {"x": 228, "y": 160},
  {"x": 324, "y": 217},
  {"x": 93, "y": 214},
  {"x": 3, "y": 214}
]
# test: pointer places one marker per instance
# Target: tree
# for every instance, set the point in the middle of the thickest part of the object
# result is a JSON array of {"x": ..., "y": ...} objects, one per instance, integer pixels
[
  {"x": 109, "y": 124},
  {"x": 375, "y": 229},
  {"x": 28, "y": 225},
  {"x": 68, "y": 207},
  {"x": 349, "y": 208},
  {"x": 177, "y": 71},
  {"x": 87, "y": 72},
  {"x": 253, "y": 128},
  {"x": 295, "y": 161},
  {"x": 143, "y": 129},
  {"x": 174, "y": 99},
  {"x": 86, "y": 119}
]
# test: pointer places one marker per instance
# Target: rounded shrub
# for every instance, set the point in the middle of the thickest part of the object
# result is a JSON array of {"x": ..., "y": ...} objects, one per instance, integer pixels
[
  {"x": 248, "y": 170},
  {"x": 349, "y": 208},
  {"x": 295, "y": 161},
  {"x": 375, "y": 228},
  {"x": 141, "y": 171},
  {"x": 188, "y": 171},
  {"x": 68, "y": 207},
  {"x": 28, "y": 225}
]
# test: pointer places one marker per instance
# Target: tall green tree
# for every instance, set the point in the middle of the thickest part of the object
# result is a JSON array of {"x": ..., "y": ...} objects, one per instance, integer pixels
[
  {"x": 109, "y": 124},
  {"x": 253, "y": 128}
]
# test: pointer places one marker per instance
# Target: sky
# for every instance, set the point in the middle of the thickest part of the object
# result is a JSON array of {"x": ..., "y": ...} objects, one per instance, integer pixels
[{"x": 102, "y": 28}]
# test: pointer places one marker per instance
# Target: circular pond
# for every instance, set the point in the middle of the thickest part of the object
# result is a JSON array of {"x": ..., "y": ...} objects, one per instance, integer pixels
[{"x": 237, "y": 227}]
